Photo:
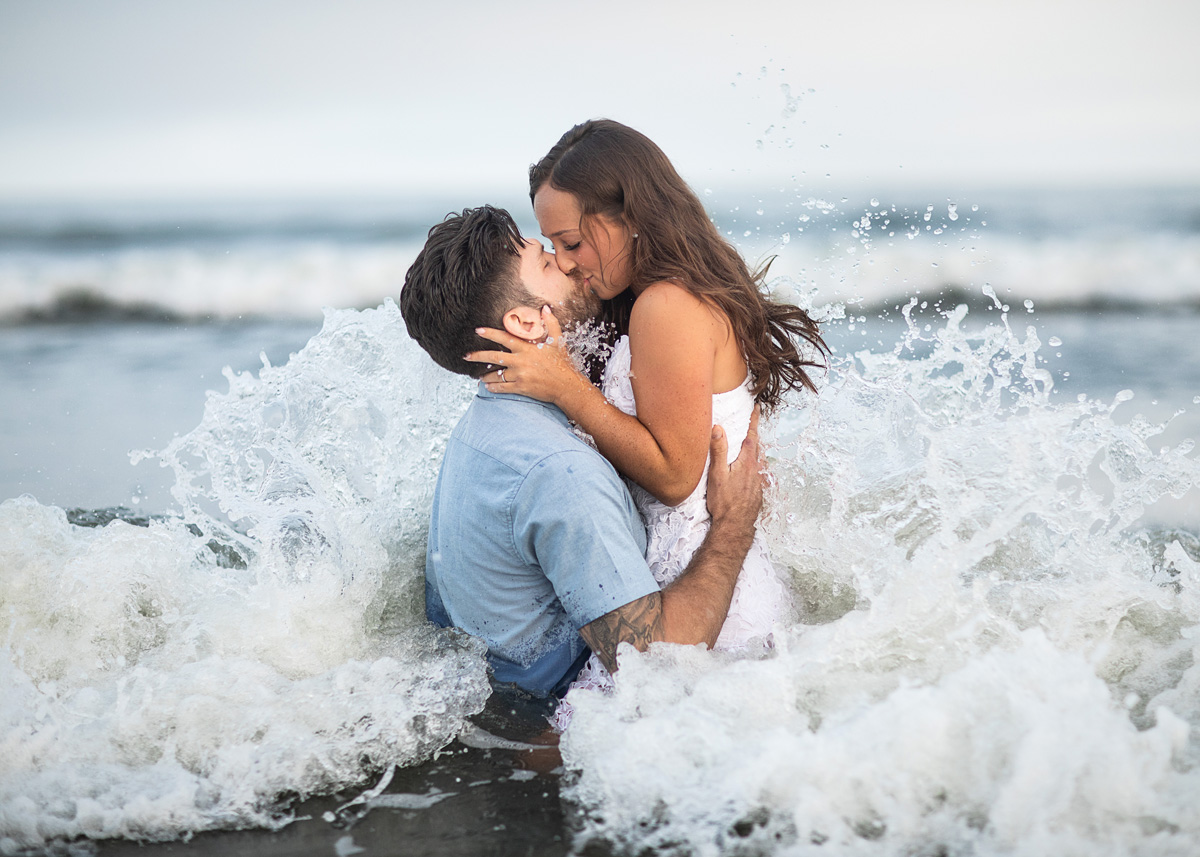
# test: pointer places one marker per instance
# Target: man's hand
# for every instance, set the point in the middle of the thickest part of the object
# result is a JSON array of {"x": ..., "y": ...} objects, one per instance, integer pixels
[{"x": 735, "y": 492}]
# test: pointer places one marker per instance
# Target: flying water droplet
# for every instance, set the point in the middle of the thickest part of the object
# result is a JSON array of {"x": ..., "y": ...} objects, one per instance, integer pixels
[{"x": 952, "y": 210}]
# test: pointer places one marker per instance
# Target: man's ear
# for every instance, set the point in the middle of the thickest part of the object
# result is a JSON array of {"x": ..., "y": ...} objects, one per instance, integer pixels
[{"x": 524, "y": 322}]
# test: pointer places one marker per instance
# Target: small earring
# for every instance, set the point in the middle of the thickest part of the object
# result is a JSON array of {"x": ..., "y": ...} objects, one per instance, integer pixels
[{"x": 635, "y": 235}]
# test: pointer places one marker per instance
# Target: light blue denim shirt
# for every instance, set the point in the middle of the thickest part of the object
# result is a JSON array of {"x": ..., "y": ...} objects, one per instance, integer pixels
[{"x": 533, "y": 535}]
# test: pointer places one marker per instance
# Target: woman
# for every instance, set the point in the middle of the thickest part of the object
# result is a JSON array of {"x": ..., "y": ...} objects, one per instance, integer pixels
[{"x": 700, "y": 344}]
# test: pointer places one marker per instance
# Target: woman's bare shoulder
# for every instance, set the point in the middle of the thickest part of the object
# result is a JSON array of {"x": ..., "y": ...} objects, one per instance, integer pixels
[
  {"x": 666, "y": 290},
  {"x": 667, "y": 300},
  {"x": 668, "y": 319}
]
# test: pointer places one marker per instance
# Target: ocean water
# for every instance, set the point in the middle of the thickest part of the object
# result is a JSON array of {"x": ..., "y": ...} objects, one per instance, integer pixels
[{"x": 990, "y": 517}]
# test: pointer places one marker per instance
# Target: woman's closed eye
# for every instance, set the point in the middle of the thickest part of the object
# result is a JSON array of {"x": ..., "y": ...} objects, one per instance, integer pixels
[{"x": 570, "y": 248}]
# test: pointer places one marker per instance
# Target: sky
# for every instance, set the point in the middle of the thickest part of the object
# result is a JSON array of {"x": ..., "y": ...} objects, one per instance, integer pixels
[{"x": 144, "y": 98}]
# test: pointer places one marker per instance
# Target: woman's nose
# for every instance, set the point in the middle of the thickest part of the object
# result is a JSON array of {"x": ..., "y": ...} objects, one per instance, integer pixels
[{"x": 565, "y": 263}]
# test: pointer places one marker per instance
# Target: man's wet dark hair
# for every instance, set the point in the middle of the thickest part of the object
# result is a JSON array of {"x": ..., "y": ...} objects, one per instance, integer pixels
[{"x": 466, "y": 276}]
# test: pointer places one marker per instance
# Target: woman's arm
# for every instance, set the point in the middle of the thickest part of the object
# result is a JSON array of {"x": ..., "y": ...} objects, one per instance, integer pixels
[{"x": 673, "y": 337}]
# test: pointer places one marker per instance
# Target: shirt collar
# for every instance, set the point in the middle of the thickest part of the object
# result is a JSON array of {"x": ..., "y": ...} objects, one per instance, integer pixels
[{"x": 484, "y": 393}]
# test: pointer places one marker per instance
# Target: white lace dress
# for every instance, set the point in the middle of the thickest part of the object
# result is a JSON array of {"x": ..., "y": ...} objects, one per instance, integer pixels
[{"x": 673, "y": 533}]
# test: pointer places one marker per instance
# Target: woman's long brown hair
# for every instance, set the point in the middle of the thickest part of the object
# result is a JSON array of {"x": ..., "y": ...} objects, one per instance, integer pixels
[{"x": 617, "y": 172}]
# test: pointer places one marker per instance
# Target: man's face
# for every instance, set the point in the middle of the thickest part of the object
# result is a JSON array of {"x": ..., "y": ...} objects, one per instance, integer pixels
[{"x": 566, "y": 296}]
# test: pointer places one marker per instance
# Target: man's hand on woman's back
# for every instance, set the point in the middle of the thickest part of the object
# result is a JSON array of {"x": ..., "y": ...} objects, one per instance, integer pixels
[{"x": 735, "y": 492}]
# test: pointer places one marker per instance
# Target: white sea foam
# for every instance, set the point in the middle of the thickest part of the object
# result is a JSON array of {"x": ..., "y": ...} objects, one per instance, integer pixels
[
  {"x": 993, "y": 657},
  {"x": 269, "y": 642}
]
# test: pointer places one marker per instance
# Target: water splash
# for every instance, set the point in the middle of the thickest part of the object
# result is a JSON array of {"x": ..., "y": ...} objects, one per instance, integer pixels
[
  {"x": 993, "y": 654},
  {"x": 590, "y": 342},
  {"x": 268, "y": 640}
]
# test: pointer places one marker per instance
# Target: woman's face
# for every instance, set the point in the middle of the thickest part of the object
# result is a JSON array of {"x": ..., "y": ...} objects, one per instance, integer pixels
[{"x": 603, "y": 263}]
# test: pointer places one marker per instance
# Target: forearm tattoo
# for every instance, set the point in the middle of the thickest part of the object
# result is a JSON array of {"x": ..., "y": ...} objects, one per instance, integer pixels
[{"x": 638, "y": 623}]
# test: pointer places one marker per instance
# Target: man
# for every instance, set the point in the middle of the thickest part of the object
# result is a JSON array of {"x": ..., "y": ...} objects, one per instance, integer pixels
[{"x": 535, "y": 545}]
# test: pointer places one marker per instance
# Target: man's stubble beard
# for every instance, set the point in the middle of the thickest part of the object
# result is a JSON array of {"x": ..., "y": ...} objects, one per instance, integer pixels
[{"x": 581, "y": 307}]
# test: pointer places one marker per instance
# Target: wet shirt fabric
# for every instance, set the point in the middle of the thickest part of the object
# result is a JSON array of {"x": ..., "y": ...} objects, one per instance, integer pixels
[{"x": 532, "y": 536}]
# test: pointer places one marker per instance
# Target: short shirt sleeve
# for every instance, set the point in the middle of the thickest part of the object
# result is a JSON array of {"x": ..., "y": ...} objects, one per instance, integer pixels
[{"x": 574, "y": 519}]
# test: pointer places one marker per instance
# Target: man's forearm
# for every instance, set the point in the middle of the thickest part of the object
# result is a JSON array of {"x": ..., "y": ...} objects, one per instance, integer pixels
[
  {"x": 691, "y": 610},
  {"x": 696, "y": 603}
]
